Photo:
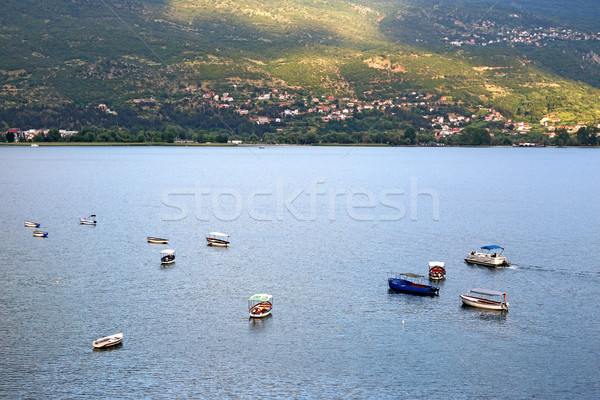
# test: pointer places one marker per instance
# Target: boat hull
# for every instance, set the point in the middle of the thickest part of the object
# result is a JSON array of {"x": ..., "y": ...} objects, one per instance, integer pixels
[
  {"x": 157, "y": 240},
  {"x": 404, "y": 286},
  {"x": 40, "y": 234},
  {"x": 29, "y": 224},
  {"x": 437, "y": 274},
  {"x": 87, "y": 222},
  {"x": 260, "y": 310},
  {"x": 108, "y": 341},
  {"x": 217, "y": 244},
  {"x": 488, "y": 261},
  {"x": 483, "y": 303}
]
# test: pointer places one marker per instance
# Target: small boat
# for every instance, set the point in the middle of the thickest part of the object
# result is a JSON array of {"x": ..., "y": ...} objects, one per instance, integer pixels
[
  {"x": 260, "y": 305},
  {"x": 157, "y": 240},
  {"x": 40, "y": 234},
  {"x": 261, "y": 147},
  {"x": 487, "y": 258},
  {"x": 108, "y": 341},
  {"x": 400, "y": 283},
  {"x": 91, "y": 220},
  {"x": 35, "y": 145},
  {"x": 29, "y": 224},
  {"x": 167, "y": 256},
  {"x": 437, "y": 270},
  {"x": 218, "y": 239},
  {"x": 473, "y": 298}
]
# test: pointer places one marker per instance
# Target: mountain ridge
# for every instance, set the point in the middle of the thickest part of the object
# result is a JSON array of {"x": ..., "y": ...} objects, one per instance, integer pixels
[{"x": 82, "y": 53}]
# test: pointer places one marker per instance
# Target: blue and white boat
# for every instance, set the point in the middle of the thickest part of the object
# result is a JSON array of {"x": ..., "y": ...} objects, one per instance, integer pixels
[
  {"x": 491, "y": 256},
  {"x": 37, "y": 233},
  {"x": 401, "y": 283},
  {"x": 31, "y": 224}
]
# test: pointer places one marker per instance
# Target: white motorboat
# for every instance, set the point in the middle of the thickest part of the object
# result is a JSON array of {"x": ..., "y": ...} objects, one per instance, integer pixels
[
  {"x": 91, "y": 220},
  {"x": 260, "y": 305},
  {"x": 474, "y": 298},
  {"x": 108, "y": 341},
  {"x": 31, "y": 224},
  {"x": 487, "y": 258},
  {"x": 218, "y": 239}
]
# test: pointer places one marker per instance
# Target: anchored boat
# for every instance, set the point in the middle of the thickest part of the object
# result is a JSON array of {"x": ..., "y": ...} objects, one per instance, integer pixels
[
  {"x": 167, "y": 256},
  {"x": 490, "y": 257},
  {"x": 474, "y": 298},
  {"x": 218, "y": 239},
  {"x": 91, "y": 220},
  {"x": 401, "y": 283},
  {"x": 108, "y": 341},
  {"x": 40, "y": 234},
  {"x": 157, "y": 240},
  {"x": 437, "y": 270},
  {"x": 260, "y": 305},
  {"x": 30, "y": 224}
]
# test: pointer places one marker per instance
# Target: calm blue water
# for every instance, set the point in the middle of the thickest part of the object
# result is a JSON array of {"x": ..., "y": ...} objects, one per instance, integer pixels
[{"x": 318, "y": 228}]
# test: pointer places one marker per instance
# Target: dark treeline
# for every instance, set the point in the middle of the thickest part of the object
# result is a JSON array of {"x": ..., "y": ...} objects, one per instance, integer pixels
[{"x": 402, "y": 127}]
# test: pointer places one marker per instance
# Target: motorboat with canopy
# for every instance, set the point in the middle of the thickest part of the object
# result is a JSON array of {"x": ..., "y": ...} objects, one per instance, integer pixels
[
  {"x": 37, "y": 233},
  {"x": 491, "y": 256},
  {"x": 91, "y": 220},
  {"x": 218, "y": 239},
  {"x": 403, "y": 282},
  {"x": 437, "y": 270},
  {"x": 31, "y": 224},
  {"x": 167, "y": 256},
  {"x": 260, "y": 305},
  {"x": 108, "y": 341},
  {"x": 486, "y": 299}
]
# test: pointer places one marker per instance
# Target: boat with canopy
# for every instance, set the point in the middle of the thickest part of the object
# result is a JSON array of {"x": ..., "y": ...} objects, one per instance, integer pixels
[
  {"x": 218, "y": 239},
  {"x": 486, "y": 299},
  {"x": 91, "y": 220},
  {"x": 491, "y": 256},
  {"x": 108, "y": 341},
  {"x": 31, "y": 224},
  {"x": 167, "y": 256},
  {"x": 260, "y": 305},
  {"x": 437, "y": 270},
  {"x": 404, "y": 283}
]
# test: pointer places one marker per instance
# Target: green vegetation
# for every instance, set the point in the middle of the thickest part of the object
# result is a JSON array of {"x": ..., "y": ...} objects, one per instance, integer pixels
[{"x": 138, "y": 70}]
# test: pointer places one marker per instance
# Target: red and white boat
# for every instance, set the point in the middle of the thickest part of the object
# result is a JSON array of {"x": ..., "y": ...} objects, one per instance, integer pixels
[
  {"x": 260, "y": 305},
  {"x": 437, "y": 270}
]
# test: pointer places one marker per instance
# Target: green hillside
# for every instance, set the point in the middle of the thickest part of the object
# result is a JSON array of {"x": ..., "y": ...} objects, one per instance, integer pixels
[{"x": 152, "y": 61}]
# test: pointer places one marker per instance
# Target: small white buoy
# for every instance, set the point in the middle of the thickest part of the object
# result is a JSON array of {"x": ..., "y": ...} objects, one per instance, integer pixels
[{"x": 402, "y": 322}]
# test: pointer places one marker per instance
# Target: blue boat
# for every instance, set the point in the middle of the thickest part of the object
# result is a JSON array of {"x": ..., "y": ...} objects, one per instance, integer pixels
[{"x": 401, "y": 283}]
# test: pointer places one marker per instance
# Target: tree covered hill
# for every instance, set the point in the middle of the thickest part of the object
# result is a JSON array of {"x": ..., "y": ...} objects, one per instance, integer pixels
[{"x": 152, "y": 60}]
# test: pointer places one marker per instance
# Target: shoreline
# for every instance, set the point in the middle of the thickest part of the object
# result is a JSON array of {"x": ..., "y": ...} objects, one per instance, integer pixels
[{"x": 121, "y": 144}]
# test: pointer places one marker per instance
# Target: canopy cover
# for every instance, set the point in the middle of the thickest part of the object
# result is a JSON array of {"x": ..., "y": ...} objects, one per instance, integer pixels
[
  {"x": 437, "y": 264},
  {"x": 218, "y": 234},
  {"x": 487, "y": 292},
  {"x": 261, "y": 297},
  {"x": 167, "y": 251},
  {"x": 411, "y": 275},
  {"x": 492, "y": 247}
]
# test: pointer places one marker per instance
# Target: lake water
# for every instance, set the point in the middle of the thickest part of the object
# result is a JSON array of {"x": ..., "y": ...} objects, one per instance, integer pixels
[{"x": 319, "y": 228}]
